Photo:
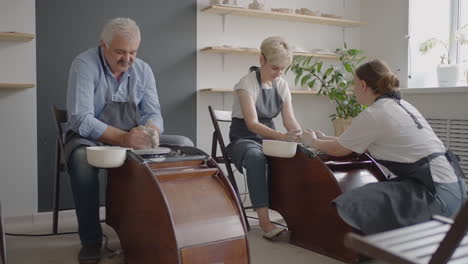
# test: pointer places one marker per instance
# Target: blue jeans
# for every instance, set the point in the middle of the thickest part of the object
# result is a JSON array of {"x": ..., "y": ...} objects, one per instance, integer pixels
[
  {"x": 255, "y": 164},
  {"x": 85, "y": 187},
  {"x": 451, "y": 196}
]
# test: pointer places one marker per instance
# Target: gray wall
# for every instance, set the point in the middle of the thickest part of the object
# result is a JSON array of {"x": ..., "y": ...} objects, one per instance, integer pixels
[{"x": 67, "y": 27}]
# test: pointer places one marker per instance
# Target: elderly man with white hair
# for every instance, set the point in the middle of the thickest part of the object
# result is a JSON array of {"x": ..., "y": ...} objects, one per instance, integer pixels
[{"x": 111, "y": 100}]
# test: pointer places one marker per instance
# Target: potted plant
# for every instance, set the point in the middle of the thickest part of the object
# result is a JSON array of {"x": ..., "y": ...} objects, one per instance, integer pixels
[
  {"x": 334, "y": 82},
  {"x": 448, "y": 73}
]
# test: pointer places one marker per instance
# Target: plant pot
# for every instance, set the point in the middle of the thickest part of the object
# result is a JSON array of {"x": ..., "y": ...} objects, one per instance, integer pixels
[
  {"x": 450, "y": 75},
  {"x": 341, "y": 125}
]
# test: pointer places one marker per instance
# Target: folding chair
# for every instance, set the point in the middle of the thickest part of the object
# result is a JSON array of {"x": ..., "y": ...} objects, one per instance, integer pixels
[
  {"x": 60, "y": 117},
  {"x": 3, "y": 257},
  {"x": 438, "y": 241},
  {"x": 223, "y": 116}
]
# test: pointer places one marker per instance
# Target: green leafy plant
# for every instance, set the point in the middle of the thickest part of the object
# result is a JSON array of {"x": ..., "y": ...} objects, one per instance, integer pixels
[{"x": 334, "y": 82}]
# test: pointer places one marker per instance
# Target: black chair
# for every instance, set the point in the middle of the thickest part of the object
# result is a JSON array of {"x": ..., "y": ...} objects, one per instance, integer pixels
[
  {"x": 60, "y": 117},
  {"x": 438, "y": 241},
  {"x": 224, "y": 116},
  {"x": 3, "y": 256}
]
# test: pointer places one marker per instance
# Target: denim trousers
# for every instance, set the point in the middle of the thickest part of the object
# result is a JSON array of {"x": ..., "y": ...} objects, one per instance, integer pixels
[
  {"x": 85, "y": 187},
  {"x": 255, "y": 164}
]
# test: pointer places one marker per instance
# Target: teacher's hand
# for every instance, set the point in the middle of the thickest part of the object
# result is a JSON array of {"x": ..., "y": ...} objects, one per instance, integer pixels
[{"x": 320, "y": 134}]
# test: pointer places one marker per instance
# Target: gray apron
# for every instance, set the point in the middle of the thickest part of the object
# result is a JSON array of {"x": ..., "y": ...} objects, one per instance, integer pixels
[
  {"x": 409, "y": 199},
  {"x": 122, "y": 115},
  {"x": 268, "y": 105}
]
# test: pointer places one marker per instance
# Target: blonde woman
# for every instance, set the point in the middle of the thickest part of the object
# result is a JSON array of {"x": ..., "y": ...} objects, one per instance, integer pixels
[
  {"x": 260, "y": 96},
  {"x": 424, "y": 178}
]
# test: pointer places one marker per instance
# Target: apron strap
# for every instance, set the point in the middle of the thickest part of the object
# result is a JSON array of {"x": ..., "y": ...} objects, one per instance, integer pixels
[{"x": 397, "y": 97}]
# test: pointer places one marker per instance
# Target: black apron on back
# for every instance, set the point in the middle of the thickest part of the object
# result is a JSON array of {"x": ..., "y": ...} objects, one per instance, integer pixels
[{"x": 408, "y": 199}]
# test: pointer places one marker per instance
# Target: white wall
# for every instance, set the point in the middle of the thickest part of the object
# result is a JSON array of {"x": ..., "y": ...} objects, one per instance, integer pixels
[
  {"x": 18, "y": 140},
  {"x": 384, "y": 38},
  {"x": 385, "y": 35},
  {"x": 448, "y": 105},
  {"x": 311, "y": 111}
]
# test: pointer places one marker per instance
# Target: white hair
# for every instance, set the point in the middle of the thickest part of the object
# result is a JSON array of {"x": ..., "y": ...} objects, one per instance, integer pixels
[
  {"x": 276, "y": 51},
  {"x": 121, "y": 26}
]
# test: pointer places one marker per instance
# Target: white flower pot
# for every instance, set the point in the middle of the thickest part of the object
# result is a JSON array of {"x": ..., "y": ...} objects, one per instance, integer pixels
[{"x": 450, "y": 75}]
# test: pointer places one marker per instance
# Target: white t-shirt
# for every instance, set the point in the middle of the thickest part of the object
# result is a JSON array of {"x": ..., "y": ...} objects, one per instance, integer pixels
[
  {"x": 249, "y": 83},
  {"x": 389, "y": 133}
]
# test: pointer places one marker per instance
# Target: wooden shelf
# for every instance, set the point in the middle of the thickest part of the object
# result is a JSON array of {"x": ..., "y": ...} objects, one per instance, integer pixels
[
  {"x": 237, "y": 11},
  {"x": 16, "y": 85},
  {"x": 224, "y": 50},
  {"x": 220, "y": 90},
  {"x": 16, "y": 36}
]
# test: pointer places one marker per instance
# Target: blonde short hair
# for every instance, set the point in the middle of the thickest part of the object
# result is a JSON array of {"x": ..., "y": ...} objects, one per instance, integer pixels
[
  {"x": 276, "y": 51},
  {"x": 125, "y": 27}
]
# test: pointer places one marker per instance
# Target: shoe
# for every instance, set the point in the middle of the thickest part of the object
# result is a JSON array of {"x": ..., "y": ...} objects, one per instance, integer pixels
[
  {"x": 276, "y": 234},
  {"x": 90, "y": 254}
]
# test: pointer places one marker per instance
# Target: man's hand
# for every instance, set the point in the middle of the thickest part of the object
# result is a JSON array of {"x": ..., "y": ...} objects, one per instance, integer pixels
[
  {"x": 138, "y": 138},
  {"x": 154, "y": 133}
]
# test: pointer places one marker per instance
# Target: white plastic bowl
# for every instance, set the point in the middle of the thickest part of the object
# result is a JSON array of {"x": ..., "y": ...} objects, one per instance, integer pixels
[
  {"x": 106, "y": 156},
  {"x": 277, "y": 148}
]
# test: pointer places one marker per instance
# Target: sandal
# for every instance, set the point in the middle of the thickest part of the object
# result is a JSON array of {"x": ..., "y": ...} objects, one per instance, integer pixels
[{"x": 275, "y": 234}]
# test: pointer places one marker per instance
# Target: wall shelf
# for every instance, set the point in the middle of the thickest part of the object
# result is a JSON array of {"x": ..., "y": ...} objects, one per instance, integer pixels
[
  {"x": 221, "y": 90},
  {"x": 236, "y": 11},
  {"x": 245, "y": 51},
  {"x": 16, "y": 36},
  {"x": 16, "y": 85}
]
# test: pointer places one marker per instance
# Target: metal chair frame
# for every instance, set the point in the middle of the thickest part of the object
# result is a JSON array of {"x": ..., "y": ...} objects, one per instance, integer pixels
[
  {"x": 224, "y": 116},
  {"x": 60, "y": 117}
]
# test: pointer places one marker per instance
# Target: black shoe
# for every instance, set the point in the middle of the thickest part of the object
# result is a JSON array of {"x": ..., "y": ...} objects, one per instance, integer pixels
[{"x": 89, "y": 254}]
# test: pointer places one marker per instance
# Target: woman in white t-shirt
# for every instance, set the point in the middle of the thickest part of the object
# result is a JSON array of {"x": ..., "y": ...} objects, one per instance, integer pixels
[
  {"x": 260, "y": 96},
  {"x": 424, "y": 178}
]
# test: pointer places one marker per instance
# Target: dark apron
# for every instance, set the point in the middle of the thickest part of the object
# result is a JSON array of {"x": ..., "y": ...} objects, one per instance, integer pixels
[
  {"x": 122, "y": 115},
  {"x": 410, "y": 198},
  {"x": 268, "y": 105}
]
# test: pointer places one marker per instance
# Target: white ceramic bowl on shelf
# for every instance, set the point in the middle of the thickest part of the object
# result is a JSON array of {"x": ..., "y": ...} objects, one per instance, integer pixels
[
  {"x": 277, "y": 148},
  {"x": 106, "y": 156}
]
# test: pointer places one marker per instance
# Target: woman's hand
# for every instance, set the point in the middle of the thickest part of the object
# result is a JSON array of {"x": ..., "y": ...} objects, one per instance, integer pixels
[
  {"x": 308, "y": 137},
  {"x": 320, "y": 134},
  {"x": 293, "y": 135}
]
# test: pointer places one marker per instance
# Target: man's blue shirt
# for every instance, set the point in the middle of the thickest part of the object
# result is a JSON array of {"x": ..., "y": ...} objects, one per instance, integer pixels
[{"x": 88, "y": 84}]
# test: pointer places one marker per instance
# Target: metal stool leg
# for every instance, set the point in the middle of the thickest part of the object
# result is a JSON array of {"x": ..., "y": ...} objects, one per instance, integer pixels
[{"x": 232, "y": 179}]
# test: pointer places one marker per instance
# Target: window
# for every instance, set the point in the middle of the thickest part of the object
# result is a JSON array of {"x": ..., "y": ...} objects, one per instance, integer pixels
[
  {"x": 463, "y": 49},
  {"x": 440, "y": 20}
]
